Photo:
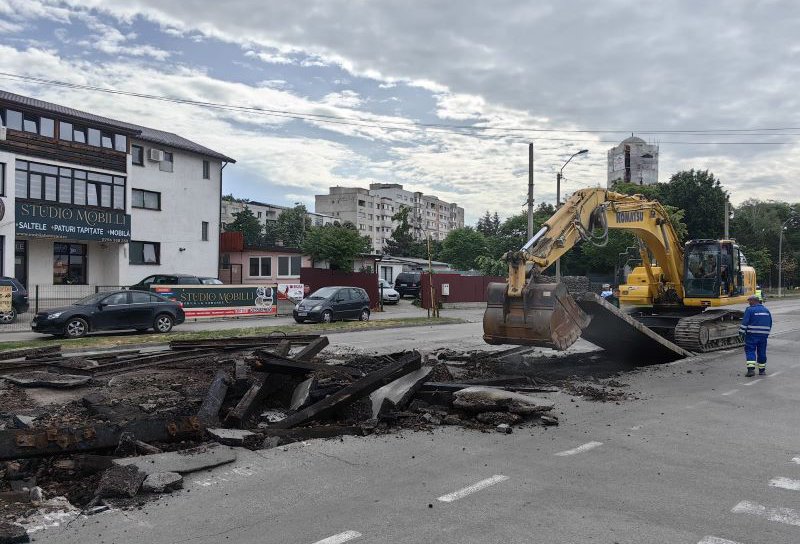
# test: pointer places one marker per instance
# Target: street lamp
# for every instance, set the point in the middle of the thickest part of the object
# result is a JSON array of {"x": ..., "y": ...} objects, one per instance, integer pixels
[
  {"x": 558, "y": 200},
  {"x": 780, "y": 255}
]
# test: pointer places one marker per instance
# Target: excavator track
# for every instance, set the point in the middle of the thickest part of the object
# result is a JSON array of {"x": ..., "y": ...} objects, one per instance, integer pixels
[{"x": 711, "y": 330}]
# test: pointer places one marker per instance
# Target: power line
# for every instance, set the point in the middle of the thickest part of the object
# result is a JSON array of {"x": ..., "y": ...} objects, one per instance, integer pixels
[{"x": 428, "y": 127}]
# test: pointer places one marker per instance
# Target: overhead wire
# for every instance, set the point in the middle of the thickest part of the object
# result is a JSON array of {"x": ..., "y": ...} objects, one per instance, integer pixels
[{"x": 434, "y": 127}]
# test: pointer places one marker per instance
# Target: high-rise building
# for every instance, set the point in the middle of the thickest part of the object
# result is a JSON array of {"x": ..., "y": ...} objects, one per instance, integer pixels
[
  {"x": 371, "y": 211},
  {"x": 633, "y": 161}
]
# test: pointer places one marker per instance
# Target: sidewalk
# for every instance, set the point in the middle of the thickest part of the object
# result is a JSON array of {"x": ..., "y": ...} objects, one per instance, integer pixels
[{"x": 402, "y": 310}]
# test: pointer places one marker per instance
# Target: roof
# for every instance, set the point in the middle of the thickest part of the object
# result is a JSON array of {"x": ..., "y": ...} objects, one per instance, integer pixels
[
  {"x": 144, "y": 133},
  {"x": 633, "y": 140}
]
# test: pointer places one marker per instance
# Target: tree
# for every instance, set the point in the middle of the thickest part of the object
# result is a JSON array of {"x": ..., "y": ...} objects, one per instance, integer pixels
[
  {"x": 402, "y": 243},
  {"x": 489, "y": 224},
  {"x": 337, "y": 244},
  {"x": 702, "y": 198},
  {"x": 248, "y": 224},
  {"x": 761, "y": 260},
  {"x": 292, "y": 226},
  {"x": 462, "y": 247},
  {"x": 491, "y": 267}
]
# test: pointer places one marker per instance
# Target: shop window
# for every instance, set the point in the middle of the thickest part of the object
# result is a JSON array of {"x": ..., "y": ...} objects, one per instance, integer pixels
[
  {"x": 69, "y": 264},
  {"x": 167, "y": 164},
  {"x": 137, "y": 155},
  {"x": 144, "y": 253},
  {"x": 289, "y": 266},
  {"x": 260, "y": 267},
  {"x": 149, "y": 200},
  {"x": 206, "y": 170}
]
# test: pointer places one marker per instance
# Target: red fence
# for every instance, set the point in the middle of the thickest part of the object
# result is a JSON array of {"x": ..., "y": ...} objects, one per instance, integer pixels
[
  {"x": 461, "y": 288},
  {"x": 315, "y": 278}
]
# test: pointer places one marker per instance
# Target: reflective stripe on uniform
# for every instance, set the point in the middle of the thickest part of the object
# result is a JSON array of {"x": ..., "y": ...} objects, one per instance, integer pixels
[{"x": 751, "y": 364}]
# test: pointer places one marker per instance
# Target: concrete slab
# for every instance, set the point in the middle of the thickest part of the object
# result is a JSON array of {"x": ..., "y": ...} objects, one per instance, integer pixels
[
  {"x": 230, "y": 437},
  {"x": 302, "y": 394},
  {"x": 397, "y": 394},
  {"x": 160, "y": 482},
  {"x": 488, "y": 399},
  {"x": 623, "y": 336},
  {"x": 39, "y": 378},
  {"x": 182, "y": 462}
]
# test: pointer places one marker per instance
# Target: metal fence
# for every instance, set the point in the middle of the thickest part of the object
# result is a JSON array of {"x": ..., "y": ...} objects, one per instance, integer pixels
[{"x": 46, "y": 297}]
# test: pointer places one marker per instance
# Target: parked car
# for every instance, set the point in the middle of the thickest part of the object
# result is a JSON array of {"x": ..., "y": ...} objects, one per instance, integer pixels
[
  {"x": 19, "y": 300},
  {"x": 166, "y": 279},
  {"x": 115, "y": 310},
  {"x": 390, "y": 295},
  {"x": 211, "y": 281},
  {"x": 408, "y": 283},
  {"x": 331, "y": 303}
]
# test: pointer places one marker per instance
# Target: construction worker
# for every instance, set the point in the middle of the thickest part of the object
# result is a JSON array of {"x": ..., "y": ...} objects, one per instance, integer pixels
[
  {"x": 606, "y": 292},
  {"x": 755, "y": 328},
  {"x": 759, "y": 293}
]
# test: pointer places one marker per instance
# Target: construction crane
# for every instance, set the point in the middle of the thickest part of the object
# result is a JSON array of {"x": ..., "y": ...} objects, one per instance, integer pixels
[{"x": 679, "y": 291}]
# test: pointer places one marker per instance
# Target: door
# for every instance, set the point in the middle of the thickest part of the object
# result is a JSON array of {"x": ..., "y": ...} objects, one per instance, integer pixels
[
  {"x": 356, "y": 302},
  {"x": 141, "y": 313},
  {"x": 21, "y": 261},
  {"x": 340, "y": 302},
  {"x": 112, "y": 313}
]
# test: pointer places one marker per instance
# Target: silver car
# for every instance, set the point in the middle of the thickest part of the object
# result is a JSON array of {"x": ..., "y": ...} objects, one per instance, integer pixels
[{"x": 390, "y": 296}]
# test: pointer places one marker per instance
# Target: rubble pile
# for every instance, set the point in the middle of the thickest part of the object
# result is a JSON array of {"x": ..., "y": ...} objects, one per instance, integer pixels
[{"x": 121, "y": 426}]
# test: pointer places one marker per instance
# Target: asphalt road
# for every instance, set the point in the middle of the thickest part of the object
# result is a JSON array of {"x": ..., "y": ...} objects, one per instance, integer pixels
[{"x": 706, "y": 456}]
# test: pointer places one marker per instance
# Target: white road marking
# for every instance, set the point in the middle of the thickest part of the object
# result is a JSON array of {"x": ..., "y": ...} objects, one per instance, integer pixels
[
  {"x": 751, "y": 382},
  {"x": 785, "y": 483},
  {"x": 715, "y": 540},
  {"x": 780, "y": 515},
  {"x": 731, "y": 392},
  {"x": 580, "y": 449},
  {"x": 695, "y": 405},
  {"x": 340, "y": 538},
  {"x": 778, "y": 373},
  {"x": 796, "y": 460},
  {"x": 483, "y": 484}
]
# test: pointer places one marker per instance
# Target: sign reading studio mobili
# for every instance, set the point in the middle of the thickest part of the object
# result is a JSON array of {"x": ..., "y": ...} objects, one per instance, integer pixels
[{"x": 71, "y": 222}]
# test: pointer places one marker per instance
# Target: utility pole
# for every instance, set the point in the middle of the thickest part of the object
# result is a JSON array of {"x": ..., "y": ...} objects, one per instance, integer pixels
[
  {"x": 558, "y": 205},
  {"x": 727, "y": 217},
  {"x": 530, "y": 190}
]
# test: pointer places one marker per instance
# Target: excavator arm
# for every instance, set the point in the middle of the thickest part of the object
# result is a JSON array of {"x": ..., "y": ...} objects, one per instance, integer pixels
[{"x": 524, "y": 311}]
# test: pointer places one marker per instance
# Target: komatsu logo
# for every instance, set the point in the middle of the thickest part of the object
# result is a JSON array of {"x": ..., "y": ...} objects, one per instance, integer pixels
[{"x": 629, "y": 217}]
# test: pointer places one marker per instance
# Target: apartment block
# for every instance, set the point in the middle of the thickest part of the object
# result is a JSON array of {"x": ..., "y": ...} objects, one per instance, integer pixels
[{"x": 371, "y": 210}]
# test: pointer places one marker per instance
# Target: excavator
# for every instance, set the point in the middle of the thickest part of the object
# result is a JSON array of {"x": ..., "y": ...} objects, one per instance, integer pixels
[{"x": 680, "y": 291}]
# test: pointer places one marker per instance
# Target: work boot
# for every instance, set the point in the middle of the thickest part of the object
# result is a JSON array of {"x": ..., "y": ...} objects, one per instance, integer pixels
[
  {"x": 750, "y": 373},
  {"x": 762, "y": 371}
]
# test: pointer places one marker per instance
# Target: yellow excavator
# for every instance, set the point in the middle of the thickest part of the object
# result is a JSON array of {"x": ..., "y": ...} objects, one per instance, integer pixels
[{"x": 680, "y": 291}]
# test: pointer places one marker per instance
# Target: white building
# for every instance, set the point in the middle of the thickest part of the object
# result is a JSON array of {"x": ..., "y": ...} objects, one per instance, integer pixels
[
  {"x": 633, "y": 161},
  {"x": 371, "y": 211},
  {"x": 93, "y": 201},
  {"x": 264, "y": 212}
]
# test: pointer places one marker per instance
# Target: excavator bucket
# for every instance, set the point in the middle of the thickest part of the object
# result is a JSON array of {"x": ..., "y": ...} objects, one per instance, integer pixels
[{"x": 545, "y": 315}]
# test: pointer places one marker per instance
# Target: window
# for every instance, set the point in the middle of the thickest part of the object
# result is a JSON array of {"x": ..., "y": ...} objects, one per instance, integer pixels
[
  {"x": 149, "y": 200},
  {"x": 94, "y": 137},
  {"x": 144, "y": 253},
  {"x": 261, "y": 267},
  {"x": 167, "y": 164},
  {"x": 69, "y": 264},
  {"x": 204, "y": 231},
  {"x": 206, "y": 170},
  {"x": 121, "y": 143},
  {"x": 2, "y": 179},
  {"x": 288, "y": 266},
  {"x": 13, "y": 119},
  {"x": 116, "y": 299},
  {"x": 106, "y": 140},
  {"x": 140, "y": 297},
  {"x": 39, "y": 181},
  {"x": 30, "y": 123},
  {"x": 79, "y": 135},
  {"x": 65, "y": 131},
  {"x": 47, "y": 127},
  {"x": 137, "y": 155}
]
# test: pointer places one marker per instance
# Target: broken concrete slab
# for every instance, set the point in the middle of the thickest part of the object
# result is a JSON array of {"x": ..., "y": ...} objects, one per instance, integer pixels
[
  {"x": 120, "y": 481},
  {"x": 503, "y": 428},
  {"x": 209, "y": 410},
  {"x": 40, "y": 378},
  {"x": 159, "y": 482},
  {"x": 312, "y": 349},
  {"x": 498, "y": 418},
  {"x": 397, "y": 394},
  {"x": 231, "y": 437},
  {"x": 355, "y": 391},
  {"x": 491, "y": 399},
  {"x": 263, "y": 385},
  {"x": 23, "y": 422},
  {"x": 13, "y": 533},
  {"x": 302, "y": 394},
  {"x": 183, "y": 461}
]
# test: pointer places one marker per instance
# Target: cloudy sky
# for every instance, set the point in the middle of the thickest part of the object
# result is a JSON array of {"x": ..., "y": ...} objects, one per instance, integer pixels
[{"x": 441, "y": 96}]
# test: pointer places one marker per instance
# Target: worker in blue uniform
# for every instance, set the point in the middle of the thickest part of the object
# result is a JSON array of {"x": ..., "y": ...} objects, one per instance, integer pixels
[{"x": 755, "y": 328}]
